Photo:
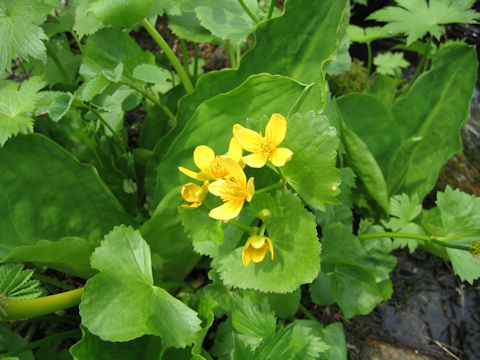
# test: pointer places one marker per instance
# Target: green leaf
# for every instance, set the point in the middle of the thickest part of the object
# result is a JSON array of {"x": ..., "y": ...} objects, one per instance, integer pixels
[
  {"x": 86, "y": 22},
  {"x": 332, "y": 335},
  {"x": 94, "y": 86},
  {"x": 384, "y": 88},
  {"x": 70, "y": 255},
  {"x": 150, "y": 73},
  {"x": 105, "y": 49},
  {"x": 33, "y": 205},
  {"x": 187, "y": 26},
  {"x": 15, "y": 283},
  {"x": 120, "y": 13},
  {"x": 260, "y": 96},
  {"x": 432, "y": 125},
  {"x": 60, "y": 106},
  {"x": 362, "y": 161},
  {"x": 416, "y": 18},
  {"x": 320, "y": 290},
  {"x": 10, "y": 340},
  {"x": 16, "y": 105},
  {"x": 460, "y": 213},
  {"x": 313, "y": 31},
  {"x": 121, "y": 303},
  {"x": 368, "y": 118},
  {"x": 359, "y": 277},
  {"x": 172, "y": 260},
  {"x": 20, "y": 34},
  {"x": 114, "y": 75},
  {"x": 91, "y": 346},
  {"x": 390, "y": 63},
  {"x": 253, "y": 319},
  {"x": 368, "y": 34},
  {"x": 314, "y": 144},
  {"x": 227, "y": 20},
  {"x": 292, "y": 230}
]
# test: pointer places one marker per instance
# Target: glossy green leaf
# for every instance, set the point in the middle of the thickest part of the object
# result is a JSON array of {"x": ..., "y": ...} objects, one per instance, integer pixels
[
  {"x": 105, "y": 49},
  {"x": 35, "y": 207},
  {"x": 91, "y": 346},
  {"x": 187, "y": 26},
  {"x": 368, "y": 118},
  {"x": 15, "y": 105},
  {"x": 120, "y": 13},
  {"x": 121, "y": 303},
  {"x": 260, "y": 96},
  {"x": 70, "y": 255},
  {"x": 362, "y": 161},
  {"x": 312, "y": 29},
  {"x": 312, "y": 172},
  {"x": 359, "y": 277},
  {"x": 435, "y": 121},
  {"x": 150, "y": 73},
  {"x": 171, "y": 260},
  {"x": 86, "y": 22},
  {"x": 60, "y": 106},
  {"x": 227, "y": 19},
  {"x": 460, "y": 213},
  {"x": 293, "y": 233},
  {"x": 20, "y": 33}
]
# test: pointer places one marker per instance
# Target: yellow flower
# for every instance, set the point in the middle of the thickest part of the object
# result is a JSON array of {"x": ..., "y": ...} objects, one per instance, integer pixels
[
  {"x": 264, "y": 148},
  {"x": 211, "y": 165},
  {"x": 233, "y": 190},
  {"x": 194, "y": 194},
  {"x": 255, "y": 249}
]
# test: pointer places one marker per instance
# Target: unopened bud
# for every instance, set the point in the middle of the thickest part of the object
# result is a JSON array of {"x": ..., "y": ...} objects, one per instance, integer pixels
[{"x": 265, "y": 214}]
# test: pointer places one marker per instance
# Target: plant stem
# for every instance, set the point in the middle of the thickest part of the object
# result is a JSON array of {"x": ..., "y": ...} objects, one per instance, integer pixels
[
  {"x": 270, "y": 187},
  {"x": 248, "y": 11},
  {"x": 300, "y": 100},
  {"x": 270, "y": 9},
  {"x": 52, "y": 281},
  {"x": 195, "y": 60},
  {"x": 58, "y": 63},
  {"x": 307, "y": 313},
  {"x": 39, "y": 343},
  {"x": 165, "y": 109},
  {"x": 187, "y": 84},
  {"x": 440, "y": 240},
  {"x": 183, "y": 45},
  {"x": 77, "y": 41},
  {"x": 422, "y": 65},
  {"x": 249, "y": 229},
  {"x": 231, "y": 55},
  {"x": 26, "y": 309},
  {"x": 369, "y": 63}
]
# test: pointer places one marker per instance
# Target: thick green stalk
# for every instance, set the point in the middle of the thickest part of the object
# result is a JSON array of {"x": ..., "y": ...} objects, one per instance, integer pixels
[
  {"x": 270, "y": 187},
  {"x": 26, "y": 309},
  {"x": 183, "y": 45},
  {"x": 248, "y": 11},
  {"x": 270, "y": 9},
  {"x": 195, "y": 60},
  {"x": 231, "y": 55},
  {"x": 187, "y": 83}
]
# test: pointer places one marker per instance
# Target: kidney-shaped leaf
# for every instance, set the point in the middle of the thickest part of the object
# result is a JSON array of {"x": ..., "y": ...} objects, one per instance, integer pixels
[{"x": 121, "y": 303}]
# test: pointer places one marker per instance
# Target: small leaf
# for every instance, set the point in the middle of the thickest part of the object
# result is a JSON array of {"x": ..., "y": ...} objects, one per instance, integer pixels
[
  {"x": 368, "y": 34},
  {"x": 293, "y": 233},
  {"x": 15, "y": 283},
  {"x": 253, "y": 319},
  {"x": 187, "y": 26},
  {"x": 121, "y": 303},
  {"x": 86, "y": 22},
  {"x": 150, "y": 73},
  {"x": 119, "y": 13},
  {"x": 60, "y": 106},
  {"x": 114, "y": 75},
  {"x": 390, "y": 63}
]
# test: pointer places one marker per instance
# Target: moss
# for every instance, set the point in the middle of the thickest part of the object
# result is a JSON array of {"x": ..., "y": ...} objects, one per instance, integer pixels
[{"x": 351, "y": 81}]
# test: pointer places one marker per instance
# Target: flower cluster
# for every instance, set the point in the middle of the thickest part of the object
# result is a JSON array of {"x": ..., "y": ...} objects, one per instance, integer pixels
[{"x": 223, "y": 176}]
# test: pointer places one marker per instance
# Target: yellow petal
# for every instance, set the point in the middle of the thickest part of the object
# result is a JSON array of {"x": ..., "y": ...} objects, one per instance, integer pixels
[
  {"x": 204, "y": 176},
  {"x": 258, "y": 254},
  {"x": 250, "y": 189},
  {"x": 227, "y": 211},
  {"x": 280, "y": 156},
  {"x": 276, "y": 129},
  {"x": 250, "y": 140},
  {"x": 256, "y": 160},
  {"x": 217, "y": 187},
  {"x": 235, "y": 170},
  {"x": 246, "y": 257},
  {"x": 191, "y": 192},
  {"x": 189, "y": 173},
  {"x": 257, "y": 242},
  {"x": 191, "y": 206},
  {"x": 203, "y": 156},
  {"x": 235, "y": 150},
  {"x": 268, "y": 242}
]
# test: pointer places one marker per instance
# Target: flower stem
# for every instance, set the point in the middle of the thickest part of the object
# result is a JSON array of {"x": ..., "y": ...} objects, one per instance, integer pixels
[
  {"x": 195, "y": 60},
  {"x": 249, "y": 229},
  {"x": 300, "y": 100},
  {"x": 270, "y": 9},
  {"x": 369, "y": 64},
  {"x": 438, "y": 240},
  {"x": 26, "y": 309},
  {"x": 187, "y": 84},
  {"x": 41, "y": 342},
  {"x": 183, "y": 45},
  {"x": 270, "y": 187},
  {"x": 58, "y": 63},
  {"x": 307, "y": 313},
  {"x": 231, "y": 55},
  {"x": 52, "y": 281},
  {"x": 248, "y": 11}
]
